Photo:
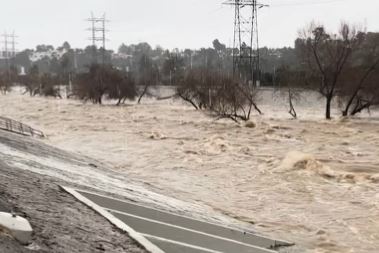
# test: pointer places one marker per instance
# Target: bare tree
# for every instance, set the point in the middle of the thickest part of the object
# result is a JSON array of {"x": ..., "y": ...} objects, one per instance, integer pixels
[
  {"x": 31, "y": 81},
  {"x": 363, "y": 94},
  {"x": 122, "y": 87},
  {"x": 326, "y": 55},
  {"x": 216, "y": 92},
  {"x": 194, "y": 88},
  {"x": 102, "y": 81},
  {"x": 4, "y": 83},
  {"x": 7, "y": 79},
  {"x": 234, "y": 99},
  {"x": 148, "y": 75},
  {"x": 291, "y": 82},
  {"x": 48, "y": 87},
  {"x": 93, "y": 84},
  {"x": 362, "y": 78}
]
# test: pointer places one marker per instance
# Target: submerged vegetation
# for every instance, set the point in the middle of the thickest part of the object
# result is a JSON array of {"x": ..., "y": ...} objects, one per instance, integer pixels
[{"x": 342, "y": 67}]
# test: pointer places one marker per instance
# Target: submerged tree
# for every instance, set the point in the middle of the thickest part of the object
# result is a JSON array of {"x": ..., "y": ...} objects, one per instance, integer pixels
[
  {"x": 8, "y": 78},
  {"x": 49, "y": 86},
  {"x": 104, "y": 80},
  {"x": 92, "y": 85},
  {"x": 362, "y": 77},
  {"x": 218, "y": 93},
  {"x": 326, "y": 56},
  {"x": 291, "y": 82},
  {"x": 31, "y": 81},
  {"x": 194, "y": 89},
  {"x": 147, "y": 75},
  {"x": 122, "y": 87}
]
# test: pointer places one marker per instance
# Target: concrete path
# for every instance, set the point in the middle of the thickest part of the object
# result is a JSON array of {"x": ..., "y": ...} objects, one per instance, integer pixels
[{"x": 174, "y": 233}]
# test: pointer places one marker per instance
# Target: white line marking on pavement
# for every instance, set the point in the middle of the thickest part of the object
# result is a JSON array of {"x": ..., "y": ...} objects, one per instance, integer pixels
[
  {"x": 180, "y": 243},
  {"x": 178, "y": 215},
  {"x": 139, "y": 238},
  {"x": 189, "y": 230}
]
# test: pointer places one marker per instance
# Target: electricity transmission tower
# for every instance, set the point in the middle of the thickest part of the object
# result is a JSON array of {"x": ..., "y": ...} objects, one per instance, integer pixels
[
  {"x": 9, "y": 43},
  {"x": 246, "y": 62},
  {"x": 98, "y": 34},
  {"x": 9, "y": 47}
]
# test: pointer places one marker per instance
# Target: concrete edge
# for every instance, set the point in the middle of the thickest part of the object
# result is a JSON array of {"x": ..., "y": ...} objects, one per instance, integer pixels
[
  {"x": 18, "y": 227},
  {"x": 277, "y": 243},
  {"x": 139, "y": 238}
]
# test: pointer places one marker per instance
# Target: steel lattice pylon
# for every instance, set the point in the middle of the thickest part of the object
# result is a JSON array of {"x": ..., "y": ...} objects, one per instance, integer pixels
[
  {"x": 95, "y": 29},
  {"x": 246, "y": 65}
]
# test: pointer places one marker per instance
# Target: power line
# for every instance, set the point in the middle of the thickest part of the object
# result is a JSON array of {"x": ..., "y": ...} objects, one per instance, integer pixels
[{"x": 297, "y": 3}]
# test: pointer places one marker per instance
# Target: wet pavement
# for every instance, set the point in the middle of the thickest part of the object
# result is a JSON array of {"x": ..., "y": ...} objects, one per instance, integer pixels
[{"x": 174, "y": 233}]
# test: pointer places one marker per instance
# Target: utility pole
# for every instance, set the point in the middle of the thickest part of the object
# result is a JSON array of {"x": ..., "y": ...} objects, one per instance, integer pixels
[
  {"x": 98, "y": 34},
  {"x": 246, "y": 58}
]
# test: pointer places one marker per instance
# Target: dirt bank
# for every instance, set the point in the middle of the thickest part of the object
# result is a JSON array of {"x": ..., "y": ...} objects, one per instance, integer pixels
[{"x": 60, "y": 222}]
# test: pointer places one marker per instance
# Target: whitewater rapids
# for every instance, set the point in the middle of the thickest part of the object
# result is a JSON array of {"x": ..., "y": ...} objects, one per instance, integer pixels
[{"x": 309, "y": 181}]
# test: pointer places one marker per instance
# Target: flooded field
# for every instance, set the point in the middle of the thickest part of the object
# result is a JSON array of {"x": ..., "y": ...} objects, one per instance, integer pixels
[{"x": 310, "y": 181}]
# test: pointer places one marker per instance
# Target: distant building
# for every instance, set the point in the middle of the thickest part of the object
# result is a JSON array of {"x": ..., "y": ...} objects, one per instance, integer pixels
[{"x": 22, "y": 71}]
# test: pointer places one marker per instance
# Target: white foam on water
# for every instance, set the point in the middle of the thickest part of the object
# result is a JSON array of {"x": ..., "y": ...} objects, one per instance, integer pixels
[{"x": 310, "y": 181}]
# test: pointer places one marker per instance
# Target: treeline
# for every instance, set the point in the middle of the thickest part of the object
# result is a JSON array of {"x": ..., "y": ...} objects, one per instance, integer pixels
[
  {"x": 169, "y": 65},
  {"x": 342, "y": 67}
]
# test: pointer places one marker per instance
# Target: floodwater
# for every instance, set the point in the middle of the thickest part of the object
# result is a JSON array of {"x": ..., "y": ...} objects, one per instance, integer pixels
[{"x": 310, "y": 181}]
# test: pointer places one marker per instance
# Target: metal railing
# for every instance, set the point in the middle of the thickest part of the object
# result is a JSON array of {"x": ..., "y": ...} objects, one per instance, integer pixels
[{"x": 19, "y": 128}]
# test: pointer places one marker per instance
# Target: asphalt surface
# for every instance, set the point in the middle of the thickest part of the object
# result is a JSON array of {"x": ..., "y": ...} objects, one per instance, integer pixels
[{"x": 174, "y": 233}]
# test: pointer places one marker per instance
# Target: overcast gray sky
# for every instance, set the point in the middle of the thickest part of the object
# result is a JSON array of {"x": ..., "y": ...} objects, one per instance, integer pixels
[{"x": 173, "y": 23}]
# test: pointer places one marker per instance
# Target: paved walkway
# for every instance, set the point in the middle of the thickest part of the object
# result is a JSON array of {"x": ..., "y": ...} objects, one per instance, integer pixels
[{"x": 174, "y": 233}]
